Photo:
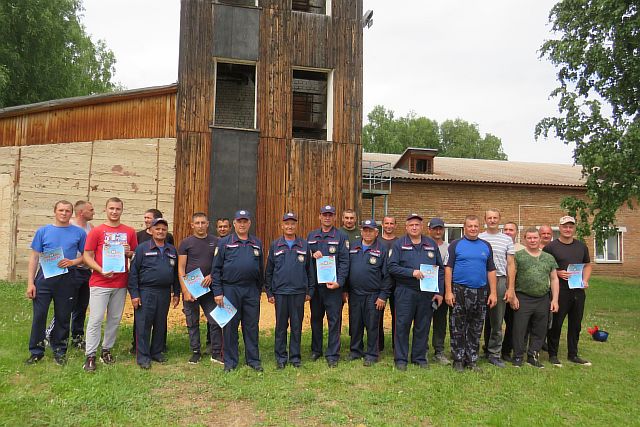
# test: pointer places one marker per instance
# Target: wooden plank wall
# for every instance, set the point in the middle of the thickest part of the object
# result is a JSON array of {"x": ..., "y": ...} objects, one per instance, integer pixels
[
  {"x": 141, "y": 172},
  {"x": 195, "y": 102},
  {"x": 142, "y": 114}
]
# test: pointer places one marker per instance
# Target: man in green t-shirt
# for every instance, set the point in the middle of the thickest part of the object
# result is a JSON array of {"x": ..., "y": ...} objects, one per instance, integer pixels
[{"x": 535, "y": 277}]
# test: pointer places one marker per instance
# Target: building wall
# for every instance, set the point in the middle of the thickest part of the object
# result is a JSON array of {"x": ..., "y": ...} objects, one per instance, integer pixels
[
  {"x": 526, "y": 206},
  {"x": 141, "y": 172}
]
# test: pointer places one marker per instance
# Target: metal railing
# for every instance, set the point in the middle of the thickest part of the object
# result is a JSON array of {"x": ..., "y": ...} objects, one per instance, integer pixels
[{"x": 376, "y": 177}]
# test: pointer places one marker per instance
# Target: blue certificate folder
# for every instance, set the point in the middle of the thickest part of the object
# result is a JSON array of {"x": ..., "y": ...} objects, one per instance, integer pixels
[
  {"x": 326, "y": 269},
  {"x": 430, "y": 281},
  {"x": 49, "y": 263},
  {"x": 113, "y": 258},
  {"x": 193, "y": 281},
  {"x": 575, "y": 276},
  {"x": 223, "y": 314}
]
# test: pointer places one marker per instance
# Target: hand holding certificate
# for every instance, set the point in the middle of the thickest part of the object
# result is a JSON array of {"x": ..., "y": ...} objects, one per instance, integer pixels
[
  {"x": 326, "y": 269},
  {"x": 49, "y": 263},
  {"x": 193, "y": 281},
  {"x": 223, "y": 314},
  {"x": 430, "y": 281},
  {"x": 113, "y": 258},
  {"x": 575, "y": 276}
]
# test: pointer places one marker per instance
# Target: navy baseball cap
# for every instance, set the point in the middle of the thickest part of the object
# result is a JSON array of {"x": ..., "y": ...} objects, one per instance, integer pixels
[
  {"x": 369, "y": 223},
  {"x": 290, "y": 215},
  {"x": 328, "y": 209},
  {"x": 159, "y": 221},
  {"x": 413, "y": 215},
  {"x": 436, "y": 222},
  {"x": 242, "y": 214}
]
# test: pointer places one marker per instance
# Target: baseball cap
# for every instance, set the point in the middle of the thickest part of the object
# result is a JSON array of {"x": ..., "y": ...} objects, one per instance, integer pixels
[
  {"x": 414, "y": 215},
  {"x": 328, "y": 209},
  {"x": 157, "y": 221},
  {"x": 566, "y": 219},
  {"x": 369, "y": 223},
  {"x": 242, "y": 214},
  {"x": 290, "y": 215},
  {"x": 436, "y": 222}
]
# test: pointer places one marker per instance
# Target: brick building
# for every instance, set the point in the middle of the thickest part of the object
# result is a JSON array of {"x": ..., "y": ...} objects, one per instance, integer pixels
[{"x": 528, "y": 194}]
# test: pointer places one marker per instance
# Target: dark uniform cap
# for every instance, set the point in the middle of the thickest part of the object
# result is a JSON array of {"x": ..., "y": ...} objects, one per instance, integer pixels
[
  {"x": 159, "y": 221},
  {"x": 290, "y": 215},
  {"x": 242, "y": 214},
  {"x": 414, "y": 215},
  {"x": 328, "y": 209},
  {"x": 436, "y": 222},
  {"x": 369, "y": 223}
]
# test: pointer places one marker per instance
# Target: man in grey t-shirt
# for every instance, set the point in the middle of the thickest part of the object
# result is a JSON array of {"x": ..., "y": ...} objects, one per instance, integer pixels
[
  {"x": 440, "y": 315},
  {"x": 503, "y": 252}
]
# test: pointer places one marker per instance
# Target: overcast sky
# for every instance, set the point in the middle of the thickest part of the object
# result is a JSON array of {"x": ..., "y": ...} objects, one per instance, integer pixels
[{"x": 446, "y": 59}]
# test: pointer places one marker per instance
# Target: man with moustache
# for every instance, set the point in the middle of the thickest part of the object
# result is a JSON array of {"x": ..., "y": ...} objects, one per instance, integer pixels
[{"x": 546, "y": 235}]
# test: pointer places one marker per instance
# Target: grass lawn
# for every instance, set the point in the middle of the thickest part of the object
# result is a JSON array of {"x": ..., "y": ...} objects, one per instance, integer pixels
[{"x": 176, "y": 393}]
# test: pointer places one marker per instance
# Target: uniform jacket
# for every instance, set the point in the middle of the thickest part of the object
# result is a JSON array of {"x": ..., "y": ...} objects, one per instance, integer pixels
[
  {"x": 333, "y": 243},
  {"x": 406, "y": 257},
  {"x": 153, "y": 268},
  {"x": 289, "y": 271},
  {"x": 368, "y": 270},
  {"x": 237, "y": 264}
]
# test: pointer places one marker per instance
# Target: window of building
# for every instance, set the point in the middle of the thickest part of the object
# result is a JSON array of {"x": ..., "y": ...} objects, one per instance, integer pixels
[
  {"x": 235, "y": 95},
  {"x": 611, "y": 250},
  {"x": 453, "y": 232},
  {"x": 312, "y": 105},
  {"x": 419, "y": 165},
  {"x": 311, "y": 6}
]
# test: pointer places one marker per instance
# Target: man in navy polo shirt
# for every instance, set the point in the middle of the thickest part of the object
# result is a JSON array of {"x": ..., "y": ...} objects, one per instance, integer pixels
[
  {"x": 469, "y": 268},
  {"x": 413, "y": 305},
  {"x": 369, "y": 286},
  {"x": 289, "y": 283},
  {"x": 238, "y": 274},
  {"x": 154, "y": 273},
  {"x": 328, "y": 241}
]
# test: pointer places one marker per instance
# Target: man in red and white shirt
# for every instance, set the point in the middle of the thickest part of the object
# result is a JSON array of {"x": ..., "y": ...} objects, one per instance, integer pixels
[{"x": 107, "y": 289}]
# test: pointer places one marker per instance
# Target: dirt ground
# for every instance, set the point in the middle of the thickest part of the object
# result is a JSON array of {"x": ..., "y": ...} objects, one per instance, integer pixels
[{"x": 267, "y": 316}]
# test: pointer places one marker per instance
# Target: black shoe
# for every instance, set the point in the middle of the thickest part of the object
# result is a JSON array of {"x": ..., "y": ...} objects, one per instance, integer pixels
[
  {"x": 280, "y": 365},
  {"x": 145, "y": 365},
  {"x": 401, "y": 367},
  {"x": 33, "y": 359},
  {"x": 161, "y": 358},
  {"x": 579, "y": 361},
  {"x": 555, "y": 361},
  {"x": 315, "y": 356},
  {"x": 89, "y": 364},
  {"x": 257, "y": 368},
  {"x": 296, "y": 364},
  {"x": 533, "y": 361},
  {"x": 60, "y": 359},
  {"x": 107, "y": 358},
  {"x": 441, "y": 359},
  {"x": 78, "y": 342},
  {"x": 332, "y": 363},
  {"x": 421, "y": 365},
  {"x": 195, "y": 358},
  {"x": 458, "y": 366},
  {"x": 495, "y": 361},
  {"x": 473, "y": 367},
  {"x": 217, "y": 359},
  {"x": 517, "y": 362},
  {"x": 507, "y": 357}
]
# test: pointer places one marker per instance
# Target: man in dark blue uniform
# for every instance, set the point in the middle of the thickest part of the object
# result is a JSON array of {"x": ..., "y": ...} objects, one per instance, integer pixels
[
  {"x": 289, "y": 283},
  {"x": 328, "y": 241},
  {"x": 237, "y": 274},
  {"x": 369, "y": 286},
  {"x": 154, "y": 273},
  {"x": 413, "y": 305}
]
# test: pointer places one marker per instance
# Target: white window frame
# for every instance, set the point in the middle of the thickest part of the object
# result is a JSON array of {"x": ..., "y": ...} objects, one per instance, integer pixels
[
  {"x": 620, "y": 234},
  {"x": 447, "y": 226}
]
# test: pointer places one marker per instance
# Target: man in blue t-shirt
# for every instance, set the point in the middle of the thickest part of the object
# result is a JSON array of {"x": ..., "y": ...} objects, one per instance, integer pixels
[
  {"x": 59, "y": 286},
  {"x": 469, "y": 268}
]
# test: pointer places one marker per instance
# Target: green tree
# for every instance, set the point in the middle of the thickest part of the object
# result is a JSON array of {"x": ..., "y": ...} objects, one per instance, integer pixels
[
  {"x": 598, "y": 59},
  {"x": 46, "y": 54},
  {"x": 462, "y": 139}
]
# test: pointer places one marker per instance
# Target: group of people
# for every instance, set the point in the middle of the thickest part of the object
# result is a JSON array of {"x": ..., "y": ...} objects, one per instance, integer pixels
[{"x": 484, "y": 279}]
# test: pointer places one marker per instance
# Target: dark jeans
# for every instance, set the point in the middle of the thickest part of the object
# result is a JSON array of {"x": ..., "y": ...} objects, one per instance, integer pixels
[
  {"x": 191, "y": 310},
  {"x": 439, "y": 328},
  {"x": 571, "y": 304},
  {"x": 532, "y": 317}
]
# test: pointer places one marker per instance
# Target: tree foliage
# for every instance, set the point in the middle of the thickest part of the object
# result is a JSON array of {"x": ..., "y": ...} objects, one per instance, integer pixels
[
  {"x": 598, "y": 59},
  {"x": 453, "y": 138},
  {"x": 46, "y": 54}
]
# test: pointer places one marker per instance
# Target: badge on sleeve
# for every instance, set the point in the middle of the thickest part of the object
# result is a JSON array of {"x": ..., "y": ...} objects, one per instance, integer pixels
[
  {"x": 373, "y": 260},
  {"x": 332, "y": 249},
  {"x": 172, "y": 262},
  {"x": 256, "y": 252},
  {"x": 430, "y": 254},
  {"x": 301, "y": 258}
]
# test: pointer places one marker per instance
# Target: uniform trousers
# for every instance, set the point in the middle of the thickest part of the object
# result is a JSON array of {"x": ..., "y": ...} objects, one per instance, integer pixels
[
  {"x": 412, "y": 306},
  {"x": 246, "y": 299},
  {"x": 327, "y": 301},
  {"x": 363, "y": 314},
  {"x": 467, "y": 318},
  {"x": 289, "y": 314},
  {"x": 191, "y": 310},
  {"x": 151, "y": 323},
  {"x": 532, "y": 317},
  {"x": 392, "y": 306},
  {"x": 61, "y": 290},
  {"x": 570, "y": 304}
]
